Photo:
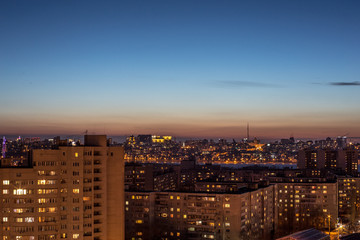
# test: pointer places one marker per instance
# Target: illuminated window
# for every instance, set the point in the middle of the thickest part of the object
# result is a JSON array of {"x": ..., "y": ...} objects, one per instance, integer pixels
[
  {"x": 47, "y": 191},
  {"x": 185, "y": 216},
  {"x": 76, "y": 154},
  {"x": 29, "y": 219},
  {"x": 76, "y": 190},
  {"x": 20, "y": 191},
  {"x": 52, "y": 209},
  {"x": 19, "y": 220},
  {"x": 41, "y": 182},
  {"x": 139, "y": 221},
  {"x": 227, "y": 205},
  {"x": 44, "y": 182},
  {"x": 6, "y": 182},
  {"x": 5, "y": 191},
  {"x": 76, "y": 236},
  {"x": 18, "y": 210},
  {"x": 5, "y": 219}
]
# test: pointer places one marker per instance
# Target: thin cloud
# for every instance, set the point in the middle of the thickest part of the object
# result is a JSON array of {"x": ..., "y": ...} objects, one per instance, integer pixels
[
  {"x": 227, "y": 83},
  {"x": 355, "y": 83}
]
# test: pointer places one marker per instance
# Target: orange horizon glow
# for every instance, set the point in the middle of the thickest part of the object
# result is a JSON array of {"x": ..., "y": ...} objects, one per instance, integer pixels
[{"x": 195, "y": 129}]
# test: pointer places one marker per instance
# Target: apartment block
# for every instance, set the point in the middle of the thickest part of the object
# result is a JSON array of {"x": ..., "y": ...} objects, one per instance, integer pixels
[
  {"x": 303, "y": 205},
  {"x": 246, "y": 214},
  {"x": 345, "y": 160},
  {"x": 150, "y": 177},
  {"x": 349, "y": 198},
  {"x": 73, "y": 192}
]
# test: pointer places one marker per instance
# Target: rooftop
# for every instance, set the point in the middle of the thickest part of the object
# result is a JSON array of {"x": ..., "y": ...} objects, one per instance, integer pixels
[{"x": 309, "y": 234}]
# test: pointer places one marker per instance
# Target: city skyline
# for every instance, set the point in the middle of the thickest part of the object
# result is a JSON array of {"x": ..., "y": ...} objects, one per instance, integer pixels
[{"x": 187, "y": 69}]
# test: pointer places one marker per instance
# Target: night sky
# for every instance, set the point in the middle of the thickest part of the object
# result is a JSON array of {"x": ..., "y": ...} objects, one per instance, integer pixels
[{"x": 186, "y": 68}]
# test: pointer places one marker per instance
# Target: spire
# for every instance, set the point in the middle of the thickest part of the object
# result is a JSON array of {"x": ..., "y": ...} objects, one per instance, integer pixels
[{"x": 248, "y": 132}]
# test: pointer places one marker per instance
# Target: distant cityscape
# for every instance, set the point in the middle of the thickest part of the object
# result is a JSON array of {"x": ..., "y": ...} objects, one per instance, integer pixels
[
  {"x": 192, "y": 189},
  {"x": 166, "y": 149}
]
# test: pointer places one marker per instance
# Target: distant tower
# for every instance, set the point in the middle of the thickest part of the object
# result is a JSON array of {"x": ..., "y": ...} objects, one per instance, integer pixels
[
  {"x": 292, "y": 139},
  {"x": 248, "y": 132},
  {"x": 3, "y": 151}
]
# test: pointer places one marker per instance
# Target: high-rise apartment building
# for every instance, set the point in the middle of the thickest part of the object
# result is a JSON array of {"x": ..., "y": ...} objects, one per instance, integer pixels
[
  {"x": 311, "y": 159},
  {"x": 351, "y": 157},
  {"x": 150, "y": 177},
  {"x": 345, "y": 160},
  {"x": 245, "y": 214},
  {"x": 349, "y": 198},
  {"x": 303, "y": 205},
  {"x": 65, "y": 193}
]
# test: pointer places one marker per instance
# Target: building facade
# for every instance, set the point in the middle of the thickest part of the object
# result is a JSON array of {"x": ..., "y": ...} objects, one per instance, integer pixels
[
  {"x": 249, "y": 214},
  {"x": 303, "y": 205},
  {"x": 65, "y": 193}
]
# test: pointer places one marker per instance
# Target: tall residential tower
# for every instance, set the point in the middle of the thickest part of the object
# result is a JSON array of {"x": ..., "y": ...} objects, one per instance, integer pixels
[{"x": 65, "y": 193}]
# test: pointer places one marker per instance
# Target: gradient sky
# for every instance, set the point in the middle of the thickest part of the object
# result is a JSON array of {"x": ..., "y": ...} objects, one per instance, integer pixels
[{"x": 197, "y": 68}]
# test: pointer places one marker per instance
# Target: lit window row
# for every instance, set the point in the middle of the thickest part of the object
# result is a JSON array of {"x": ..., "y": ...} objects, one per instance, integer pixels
[{"x": 46, "y": 182}]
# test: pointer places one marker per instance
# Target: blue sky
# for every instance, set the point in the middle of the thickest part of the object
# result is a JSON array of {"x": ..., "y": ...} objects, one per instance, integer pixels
[{"x": 186, "y": 68}]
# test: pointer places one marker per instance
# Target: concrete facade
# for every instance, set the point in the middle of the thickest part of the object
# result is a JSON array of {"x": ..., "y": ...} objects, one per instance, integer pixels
[
  {"x": 179, "y": 215},
  {"x": 66, "y": 193}
]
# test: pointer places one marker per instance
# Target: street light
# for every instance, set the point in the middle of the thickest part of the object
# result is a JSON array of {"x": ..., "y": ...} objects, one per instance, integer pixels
[{"x": 339, "y": 228}]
